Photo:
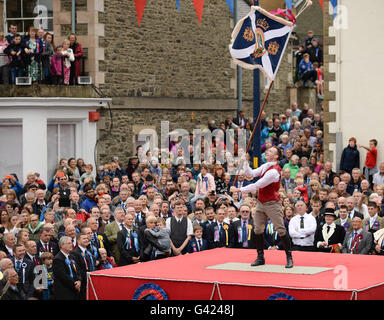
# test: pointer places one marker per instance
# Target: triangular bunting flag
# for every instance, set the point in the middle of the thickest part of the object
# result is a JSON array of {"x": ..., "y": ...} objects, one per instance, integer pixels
[
  {"x": 199, "y": 4},
  {"x": 178, "y": 5},
  {"x": 230, "y": 5},
  {"x": 322, "y": 4},
  {"x": 140, "y": 5}
]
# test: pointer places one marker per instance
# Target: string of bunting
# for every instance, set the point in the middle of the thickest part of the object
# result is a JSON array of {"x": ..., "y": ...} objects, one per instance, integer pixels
[{"x": 198, "y": 4}]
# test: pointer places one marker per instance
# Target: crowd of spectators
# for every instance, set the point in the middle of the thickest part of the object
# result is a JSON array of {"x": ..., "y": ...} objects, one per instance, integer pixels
[
  {"x": 35, "y": 55},
  {"x": 309, "y": 64},
  {"x": 88, "y": 218}
]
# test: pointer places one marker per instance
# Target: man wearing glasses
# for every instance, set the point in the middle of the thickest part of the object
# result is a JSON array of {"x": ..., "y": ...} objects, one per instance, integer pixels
[
  {"x": 242, "y": 233},
  {"x": 269, "y": 204}
]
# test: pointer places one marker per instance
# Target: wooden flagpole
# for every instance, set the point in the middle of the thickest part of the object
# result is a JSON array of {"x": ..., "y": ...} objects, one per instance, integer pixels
[{"x": 254, "y": 128}]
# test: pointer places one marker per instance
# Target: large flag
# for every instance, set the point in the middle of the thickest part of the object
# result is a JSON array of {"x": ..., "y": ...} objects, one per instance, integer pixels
[{"x": 259, "y": 41}]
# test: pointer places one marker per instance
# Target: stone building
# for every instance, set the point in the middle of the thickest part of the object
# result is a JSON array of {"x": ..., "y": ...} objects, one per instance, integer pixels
[{"x": 168, "y": 69}]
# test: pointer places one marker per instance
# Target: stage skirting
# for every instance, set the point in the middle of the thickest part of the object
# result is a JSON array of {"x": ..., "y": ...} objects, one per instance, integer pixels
[{"x": 225, "y": 274}]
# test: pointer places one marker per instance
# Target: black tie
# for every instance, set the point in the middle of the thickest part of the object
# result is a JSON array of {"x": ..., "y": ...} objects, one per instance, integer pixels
[
  {"x": 301, "y": 222},
  {"x": 199, "y": 241},
  {"x": 328, "y": 227}
]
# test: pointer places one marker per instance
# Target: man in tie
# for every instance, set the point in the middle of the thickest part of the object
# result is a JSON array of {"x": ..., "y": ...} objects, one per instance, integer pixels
[
  {"x": 210, "y": 215},
  {"x": 96, "y": 239},
  {"x": 218, "y": 232},
  {"x": 85, "y": 260},
  {"x": 128, "y": 242},
  {"x": 269, "y": 204},
  {"x": 242, "y": 231},
  {"x": 24, "y": 269},
  {"x": 45, "y": 244},
  {"x": 111, "y": 230},
  {"x": 302, "y": 228},
  {"x": 329, "y": 236},
  {"x": 357, "y": 241},
  {"x": 66, "y": 273},
  {"x": 31, "y": 252}
]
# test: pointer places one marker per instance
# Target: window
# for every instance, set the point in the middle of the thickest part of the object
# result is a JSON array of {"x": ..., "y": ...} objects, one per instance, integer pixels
[
  {"x": 25, "y": 13},
  {"x": 61, "y": 139},
  {"x": 11, "y": 146}
]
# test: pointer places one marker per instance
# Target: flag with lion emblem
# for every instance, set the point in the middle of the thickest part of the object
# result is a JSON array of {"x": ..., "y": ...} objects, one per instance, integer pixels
[{"x": 259, "y": 41}]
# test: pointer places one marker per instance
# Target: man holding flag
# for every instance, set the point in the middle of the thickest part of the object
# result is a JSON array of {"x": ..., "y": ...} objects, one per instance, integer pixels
[
  {"x": 258, "y": 42},
  {"x": 269, "y": 204}
]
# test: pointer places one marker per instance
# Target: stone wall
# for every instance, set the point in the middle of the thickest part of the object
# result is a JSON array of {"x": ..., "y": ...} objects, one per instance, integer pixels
[
  {"x": 127, "y": 122},
  {"x": 170, "y": 55}
]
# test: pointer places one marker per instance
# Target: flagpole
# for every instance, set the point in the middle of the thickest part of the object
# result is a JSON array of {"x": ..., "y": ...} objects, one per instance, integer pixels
[
  {"x": 256, "y": 154},
  {"x": 254, "y": 128}
]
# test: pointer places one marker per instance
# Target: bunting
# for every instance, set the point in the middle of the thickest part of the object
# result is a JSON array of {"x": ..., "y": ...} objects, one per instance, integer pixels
[
  {"x": 178, "y": 5},
  {"x": 199, "y": 4},
  {"x": 322, "y": 4},
  {"x": 140, "y": 6},
  {"x": 230, "y": 5}
]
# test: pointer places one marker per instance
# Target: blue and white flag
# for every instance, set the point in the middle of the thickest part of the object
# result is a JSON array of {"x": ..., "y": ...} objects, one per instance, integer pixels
[{"x": 259, "y": 41}]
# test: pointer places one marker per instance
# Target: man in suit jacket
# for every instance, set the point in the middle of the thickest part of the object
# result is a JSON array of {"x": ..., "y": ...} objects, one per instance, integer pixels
[
  {"x": 242, "y": 232},
  {"x": 45, "y": 244},
  {"x": 374, "y": 222},
  {"x": 15, "y": 290},
  {"x": 197, "y": 243},
  {"x": 240, "y": 120},
  {"x": 218, "y": 232},
  {"x": 84, "y": 260},
  {"x": 128, "y": 242},
  {"x": 210, "y": 215},
  {"x": 329, "y": 236},
  {"x": 357, "y": 241},
  {"x": 31, "y": 252},
  {"x": 111, "y": 230},
  {"x": 97, "y": 239},
  {"x": 66, "y": 273},
  {"x": 24, "y": 269},
  {"x": 9, "y": 241},
  {"x": 343, "y": 219}
]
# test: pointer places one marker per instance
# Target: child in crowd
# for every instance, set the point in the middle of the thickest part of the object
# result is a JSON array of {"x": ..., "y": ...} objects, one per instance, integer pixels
[
  {"x": 88, "y": 174},
  {"x": 57, "y": 66},
  {"x": 16, "y": 54},
  {"x": 319, "y": 80},
  {"x": 4, "y": 70},
  {"x": 302, "y": 188},
  {"x": 197, "y": 243},
  {"x": 67, "y": 53},
  {"x": 46, "y": 260},
  {"x": 162, "y": 236}
]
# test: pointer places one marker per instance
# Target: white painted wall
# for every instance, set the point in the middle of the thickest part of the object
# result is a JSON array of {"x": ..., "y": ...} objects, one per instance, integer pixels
[
  {"x": 359, "y": 71},
  {"x": 34, "y": 115}
]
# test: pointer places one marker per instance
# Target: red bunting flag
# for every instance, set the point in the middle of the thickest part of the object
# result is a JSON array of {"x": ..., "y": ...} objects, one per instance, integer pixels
[
  {"x": 322, "y": 4},
  {"x": 199, "y": 4},
  {"x": 140, "y": 5}
]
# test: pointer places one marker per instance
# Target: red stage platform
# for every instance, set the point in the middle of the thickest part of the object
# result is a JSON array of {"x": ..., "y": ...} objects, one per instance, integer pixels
[{"x": 189, "y": 277}]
